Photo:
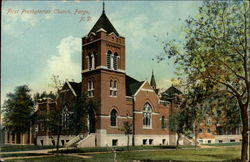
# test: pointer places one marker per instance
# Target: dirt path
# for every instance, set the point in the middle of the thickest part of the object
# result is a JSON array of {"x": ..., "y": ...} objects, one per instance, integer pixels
[
  {"x": 77, "y": 155},
  {"x": 25, "y": 157},
  {"x": 26, "y": 152},
  {"x": 206, "y": 146},
  {"x": 45, "y": 151}
]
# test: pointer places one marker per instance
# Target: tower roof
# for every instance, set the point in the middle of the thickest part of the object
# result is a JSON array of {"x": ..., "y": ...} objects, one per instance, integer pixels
[
  {"x": 172, "y": 91},
  {"x": 103, "y": 23},
  {"x": 153, "y": 82}
]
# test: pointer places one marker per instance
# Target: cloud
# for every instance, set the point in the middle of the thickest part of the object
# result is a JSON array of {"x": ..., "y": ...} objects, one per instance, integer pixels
[
  {"x": 164, "y": 83},
  {"x": 15, "y": 24},
  {"x": 16, "y": 21},
  {"x": 135, "y": 28},
  {"x": 65, "y": 64}
]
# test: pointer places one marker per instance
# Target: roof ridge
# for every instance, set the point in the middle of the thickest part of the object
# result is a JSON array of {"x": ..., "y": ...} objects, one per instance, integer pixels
[{"x": 103, "y": 22}]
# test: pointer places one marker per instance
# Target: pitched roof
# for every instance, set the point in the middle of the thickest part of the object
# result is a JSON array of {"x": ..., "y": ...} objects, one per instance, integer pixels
[
  {"x": 103, "y": 23},
  {"x": 76, "y": 87},
  {"x": 171, "y": 91},
  {"x": 132, "y": 85}
]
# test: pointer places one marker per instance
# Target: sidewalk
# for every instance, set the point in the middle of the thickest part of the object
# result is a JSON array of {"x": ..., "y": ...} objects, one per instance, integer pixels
[{"x": 45, "y": 151}]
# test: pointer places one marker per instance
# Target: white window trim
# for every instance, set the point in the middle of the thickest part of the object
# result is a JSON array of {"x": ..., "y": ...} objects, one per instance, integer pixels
[
  {"x": 113, "y": 89},
  {"x": 91, "y": 88},
  {"x": 150, "y": 113}
]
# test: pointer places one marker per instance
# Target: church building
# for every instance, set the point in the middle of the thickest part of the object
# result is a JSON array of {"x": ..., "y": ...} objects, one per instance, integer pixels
[{"x": 122, "y": 98}]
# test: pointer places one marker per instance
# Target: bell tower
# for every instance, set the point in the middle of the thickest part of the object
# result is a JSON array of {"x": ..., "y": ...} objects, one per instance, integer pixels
[{"x": 103, "y": 70}]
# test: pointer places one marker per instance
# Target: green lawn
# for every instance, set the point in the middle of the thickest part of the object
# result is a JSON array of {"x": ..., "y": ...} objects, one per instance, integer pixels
[
  {"x": 120, "y": 148},
  {"x": 223, "y": 144},
  {"x": 10, "y": 148},
  {"x": 211, "y": 154},
  {"x": 208, "y": 154}
]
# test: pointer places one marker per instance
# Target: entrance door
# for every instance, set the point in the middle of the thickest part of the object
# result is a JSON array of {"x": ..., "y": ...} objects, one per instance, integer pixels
[
  {"x": 18, "y": 138},
  {"x": 91, "y": 121}
]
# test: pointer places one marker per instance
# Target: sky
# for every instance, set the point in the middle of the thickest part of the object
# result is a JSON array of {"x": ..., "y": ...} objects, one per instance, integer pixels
[{"x": 36, "y": 46}]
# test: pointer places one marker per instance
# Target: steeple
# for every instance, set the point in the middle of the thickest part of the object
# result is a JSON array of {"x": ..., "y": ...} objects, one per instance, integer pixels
[
  {"x": 152, "y": 82},
  {"x": 103, "y": 23},
  {"x": 103, "y": 7}
]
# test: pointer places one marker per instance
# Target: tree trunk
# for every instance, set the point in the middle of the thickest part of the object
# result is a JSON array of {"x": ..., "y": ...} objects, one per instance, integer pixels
[
  {"x": 195, "y": 136},
  {"x": 128, "y": 143},
  {"x": 58, "y": 140},
  {"x": 244, "y": 146},
  {"x": 177, "y": 142}
]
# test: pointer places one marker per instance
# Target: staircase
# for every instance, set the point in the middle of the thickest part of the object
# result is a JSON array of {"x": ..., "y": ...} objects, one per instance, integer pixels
[
  {"x": 188, "y": 141},
  {"x": 73, "y": 142},
  {"x": 88, "y": 141}
]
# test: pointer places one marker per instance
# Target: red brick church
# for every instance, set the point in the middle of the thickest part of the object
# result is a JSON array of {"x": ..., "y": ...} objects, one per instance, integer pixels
[{"x": 122, "y": 98}]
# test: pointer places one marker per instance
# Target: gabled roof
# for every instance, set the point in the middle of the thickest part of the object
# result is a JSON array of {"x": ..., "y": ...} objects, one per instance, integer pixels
[
  {"x": 132, "y": 85},
  {"x": 103, "y": 23},
  {"x": 76, "y": 87},
  {"x": 171, "y": 91}
]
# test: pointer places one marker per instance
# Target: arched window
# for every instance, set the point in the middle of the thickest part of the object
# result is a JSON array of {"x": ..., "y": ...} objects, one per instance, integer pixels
[
  {"x": 147, "y": 115},
  {"x": 91, "y": 88},
  {"x": 111, "y": 83},
  {"x": 200, "y": 130},
  {"x": 109, "y": 59},
  {"x": 113, "y": 118},
  {"x": 115, "y": 61},
  {"x": 163, "y": 122},
  {"x": 111, "y": 87},
  {"x": 66, "y": 117},
  {"x": 92, "y": 84},
  {"x": 115, "y": 88},
  {"x": 208, "y": 130},
  {"x": 89, "y": 84},
  {"x": 89, "y": 61},
  {"x": 95, "y": 60}
]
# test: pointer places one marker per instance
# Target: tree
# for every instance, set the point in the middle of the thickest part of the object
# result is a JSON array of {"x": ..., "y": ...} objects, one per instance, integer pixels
[
  {"x": 127, "y": 130},
  {"x": 18, "y": 109},
  {"x": 177, "y": 124},
  {"x": 44, "y": 94},
  {"x": 80, "y": 114},
  {"x": 182, "y": 121},
  {"x": 55, "y": 120},
  {"x": 71, "y": 114},
  {"x": 195, "y": 107},
  {"x": 55, "y": 124},
  {"x": 215, "y": 53},
  {"x": 78, "y": 118}
]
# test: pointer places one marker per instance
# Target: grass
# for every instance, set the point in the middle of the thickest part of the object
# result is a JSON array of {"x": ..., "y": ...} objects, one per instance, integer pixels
[
  {"x": 218, "y": 154},
  {"x": 223, "y": 144},
  {"x": 10, "y": 148},
  {"x": 120, "y": 148},
  {"x": 206, "y": 154}
]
